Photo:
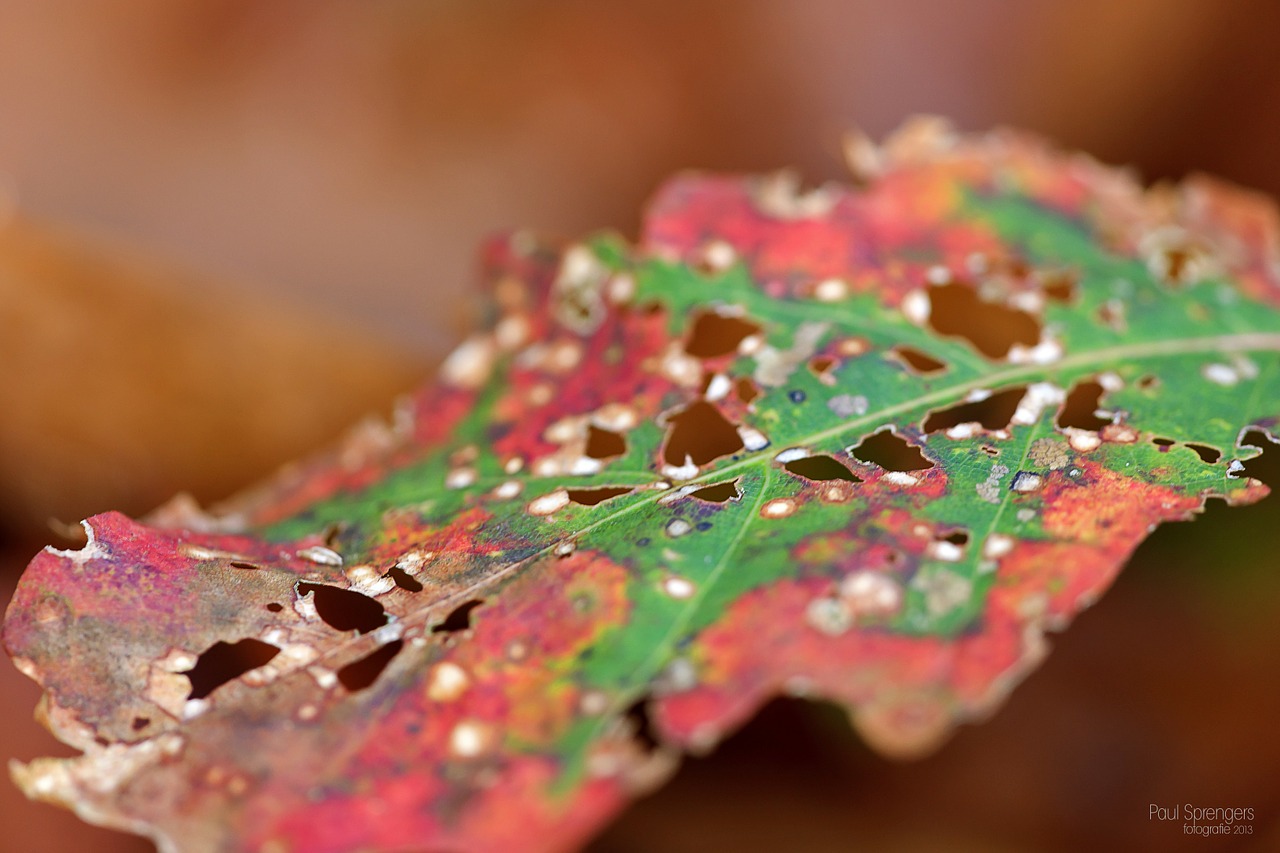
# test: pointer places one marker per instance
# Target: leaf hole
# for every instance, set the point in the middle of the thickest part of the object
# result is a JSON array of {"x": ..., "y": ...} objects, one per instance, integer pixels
[
  {"x": 1059, "y": 287},
  {"x": 1080, "y": 408},
  {"x": 718, "y": 493},
  {"x": 275, "y": 607},
  {"x": 459, "y": 619},
  {"x": 404, "y": 580},
  {"x": 241, "y": 564},
  {"x": 992, "y": 413},
  {"x": 891, "y": 452},
  {"x": 746, "y": 389},
  {"x": 714, "y": 334},
  {"x": 1263, "y": 468},
  {"x": 641, "y": 726},
  {"x": 821, "y": 468},
  {"x": 956, "y": 537},
  {"x": 591, "y": 497},
  {"x": 917, "y": 361},
  {"x": 992, "y": 329},
  {"x": 362, "y": 673},
  {"x": 603, "y": 443},
  {"x": 140, "y": 723},
  {"x": 345, "y": 609},
  {"x": 1163, "y": 443},
  {"x": 223, "y": 662},
  {"x": 820, "y": 364},
  {"x": 1206, "y": 453},
  {"x": 700, "y": 433}
]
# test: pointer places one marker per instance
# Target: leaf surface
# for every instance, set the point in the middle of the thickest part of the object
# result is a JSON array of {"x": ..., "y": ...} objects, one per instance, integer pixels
[{"x": 864, "y": 443}]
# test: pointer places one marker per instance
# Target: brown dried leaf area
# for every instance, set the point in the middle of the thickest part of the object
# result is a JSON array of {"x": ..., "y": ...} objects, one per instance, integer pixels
[{"x": 859, "y": 444}]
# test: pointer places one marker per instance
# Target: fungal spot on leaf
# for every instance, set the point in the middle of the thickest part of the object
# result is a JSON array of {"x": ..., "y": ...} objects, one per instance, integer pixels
[
  {"x": 821, "y": 468},
  {"x": 360, "y": 674},
  {"x": 746, "y": 389},
  {"x": 345, "y": 609},
  {"x": 1206, "y": 453},
  {"x": 891, "y": 452},
  {"x": 917, "y": 361},
  {"x": 1148, "y": 383},
  {"x": 459, "y": 619},
  {"x": 1079, "y": 410},
  {"x": 714, "y": 334},
  {"x": 992, "y": 329},
  {"x": 718, "y": 492},
  {"x": 992, "y": 412},
  {"x": 796, "y": 396},
  {"x": 700, "y": 433},
  {"x": 223, "y": 662},
  {"x": 603, "y": 443},
  {"x": 591, "y": 497},
  {"x": 404, "y": 580}
]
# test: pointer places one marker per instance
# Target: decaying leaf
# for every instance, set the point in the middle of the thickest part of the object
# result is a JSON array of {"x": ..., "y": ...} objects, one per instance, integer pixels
[{"x": 865, "y": 444}]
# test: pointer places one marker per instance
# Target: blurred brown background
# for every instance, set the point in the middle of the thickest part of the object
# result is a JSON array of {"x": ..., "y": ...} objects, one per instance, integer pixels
[{"x": 229, "y": 228}]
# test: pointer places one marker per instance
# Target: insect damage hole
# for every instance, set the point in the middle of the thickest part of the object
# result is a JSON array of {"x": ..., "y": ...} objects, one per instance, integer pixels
[
  {"x": 404, "y": 580},
  {"x": 820, "y": 468},
  {"x": 718, "y": 493},
  {"x": 714, "y": 334},
  {"x": 1206, "y": 453},
  {"x": 700, "y": 433},
  {"x": 345, "y": 609},
  {"x": 957, "y": 309},
  {"x": 891, "y": 452},
  {"x": 992, "y": 412},
  {"x": 362, "y": 673},
  {"x": 459, "y": 619},
  {"x": 223, "y": 662},
  {"x": 603, "y": 443},
  {"x": 1081, "y": 407},
  {"x": 917, "y": 361},
  {"x": 591, "y": 497}
]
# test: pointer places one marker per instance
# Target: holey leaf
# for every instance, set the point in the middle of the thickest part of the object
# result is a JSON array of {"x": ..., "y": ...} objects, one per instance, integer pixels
[{"x": 866, "y": 443}]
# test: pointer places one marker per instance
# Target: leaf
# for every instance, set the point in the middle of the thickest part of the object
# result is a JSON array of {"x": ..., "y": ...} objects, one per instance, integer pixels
[{"x": 862, "y": 443}]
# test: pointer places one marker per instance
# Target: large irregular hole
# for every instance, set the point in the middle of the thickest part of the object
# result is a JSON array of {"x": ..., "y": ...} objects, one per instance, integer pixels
[
  {"x": 223, "y": 662},
  {"x": 718, "y": 493},
  {"x": 360, "y": 674},
  {"x": 345, "y": 609},
  {"x": 604, "y": 444},
  {"x": 591, "y": 497},
  {"x": 918, "y": 361},
  {"x": 714, "y": 334},
  {"x": 821, "y": 468},
  {"x": 993, "y": 329},
  {"x": 1206, "y": 453},
  {"x": 404, "y": 580},
  {"x": 992, "y": 412},
  {"x": 1264, "y": 467},
  {"x": 700, "y": 433},
  {"x": 459, "y": 619},
  {"x": 1078, "y": 410},
  {"x": 891, "y": 452}
]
